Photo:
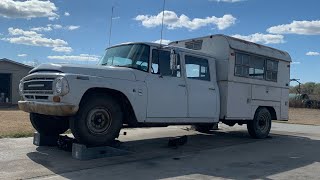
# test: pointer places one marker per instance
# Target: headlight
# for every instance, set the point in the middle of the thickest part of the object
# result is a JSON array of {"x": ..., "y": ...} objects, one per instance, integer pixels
[
  {"x": 21, "y": 88},
  {"x": 61, "y": 86}
]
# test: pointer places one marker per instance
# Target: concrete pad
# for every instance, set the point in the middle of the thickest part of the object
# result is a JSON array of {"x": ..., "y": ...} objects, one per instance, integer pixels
[{"x": 225, "y": 154}]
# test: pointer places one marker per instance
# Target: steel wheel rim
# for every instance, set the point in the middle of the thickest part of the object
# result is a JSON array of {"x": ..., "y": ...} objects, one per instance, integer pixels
[
  {"x": 263, "y": 123},
  {"x": 99, "y": 120}
]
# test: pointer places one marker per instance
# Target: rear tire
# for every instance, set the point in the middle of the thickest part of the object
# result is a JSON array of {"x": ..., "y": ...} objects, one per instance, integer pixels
[
  {"x": 98, "y": 121},
  {"x": 260, "y": 126},
  {"x": 49, "y": 125}
]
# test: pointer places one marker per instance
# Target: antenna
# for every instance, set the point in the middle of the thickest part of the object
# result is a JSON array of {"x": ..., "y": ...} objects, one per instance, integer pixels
[
  {"x": 110, "y": 30},
  {"x": 164, "y": 4}
]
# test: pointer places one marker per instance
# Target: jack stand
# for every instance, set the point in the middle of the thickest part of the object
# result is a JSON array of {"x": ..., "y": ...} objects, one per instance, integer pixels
[
  {"x": 43, "y": 140},
  {"x": 80, "y": 151}
]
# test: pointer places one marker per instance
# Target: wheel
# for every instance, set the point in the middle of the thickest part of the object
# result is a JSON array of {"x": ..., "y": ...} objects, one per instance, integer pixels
[
  {"x": 260, "y": 126},
  {"x": 98, "y": 121},
  {"x": 49, "y": 125},
  {"x": 203, "y": 128}
]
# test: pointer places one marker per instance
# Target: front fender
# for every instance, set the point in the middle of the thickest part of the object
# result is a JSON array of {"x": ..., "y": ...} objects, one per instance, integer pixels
[{"x": 135, "y": 91}]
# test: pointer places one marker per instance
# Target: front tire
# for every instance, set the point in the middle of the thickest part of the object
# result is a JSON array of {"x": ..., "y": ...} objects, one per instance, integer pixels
[
  {"x": 49, "y": 125},
  {"x": 260, "y": 126},
  {"x": 98, "y": 121}
]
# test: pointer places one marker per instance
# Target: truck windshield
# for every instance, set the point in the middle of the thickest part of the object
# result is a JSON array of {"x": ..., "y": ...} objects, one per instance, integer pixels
[{"x": 134, "y": 56}]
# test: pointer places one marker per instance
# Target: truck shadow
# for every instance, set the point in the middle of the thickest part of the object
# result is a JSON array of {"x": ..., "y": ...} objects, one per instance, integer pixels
[{"x": 218, "y": 154}]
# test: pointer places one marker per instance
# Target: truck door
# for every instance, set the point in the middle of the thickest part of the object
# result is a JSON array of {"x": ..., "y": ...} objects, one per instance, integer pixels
[
  {"x": 202, "y": 87},
  {"x": 167, "y": 93}
]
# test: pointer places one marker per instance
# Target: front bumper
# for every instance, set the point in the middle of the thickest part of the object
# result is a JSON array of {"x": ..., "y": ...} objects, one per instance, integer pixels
[{"x": 48, "y": 108}]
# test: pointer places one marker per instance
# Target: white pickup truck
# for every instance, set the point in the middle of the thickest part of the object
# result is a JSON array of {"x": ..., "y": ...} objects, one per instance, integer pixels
[{"x": 198, "y": 81}]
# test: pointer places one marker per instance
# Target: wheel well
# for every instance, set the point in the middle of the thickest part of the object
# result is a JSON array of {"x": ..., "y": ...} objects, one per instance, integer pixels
[
  {"x": 272, "y": 111},
  {"x": 127, "y": 109}
]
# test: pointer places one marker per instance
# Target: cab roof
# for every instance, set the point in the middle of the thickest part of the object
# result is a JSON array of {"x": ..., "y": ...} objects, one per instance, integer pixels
[{"x": 158, "y": 45}]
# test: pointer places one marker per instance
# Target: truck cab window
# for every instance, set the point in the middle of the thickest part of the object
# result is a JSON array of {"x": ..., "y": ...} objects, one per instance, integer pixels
[
  {"x": 161, "y": 64},
  {"x": 197, "y": 68},
  {"x": 135, "y": 56}
]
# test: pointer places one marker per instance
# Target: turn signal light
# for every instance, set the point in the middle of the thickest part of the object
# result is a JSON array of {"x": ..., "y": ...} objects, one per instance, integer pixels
[{"x": 56, "y": 99}]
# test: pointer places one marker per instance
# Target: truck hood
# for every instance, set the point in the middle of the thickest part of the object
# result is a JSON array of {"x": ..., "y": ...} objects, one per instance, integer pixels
[{"x": 90, "y": 70}]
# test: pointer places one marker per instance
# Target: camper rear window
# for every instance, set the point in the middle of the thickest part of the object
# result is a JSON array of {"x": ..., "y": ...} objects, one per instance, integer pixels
[{"x": 257, "y": 67}]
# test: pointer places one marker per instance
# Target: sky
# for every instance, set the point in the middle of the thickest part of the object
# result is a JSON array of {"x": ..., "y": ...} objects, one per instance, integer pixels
[{"x": 77, "y": 31}]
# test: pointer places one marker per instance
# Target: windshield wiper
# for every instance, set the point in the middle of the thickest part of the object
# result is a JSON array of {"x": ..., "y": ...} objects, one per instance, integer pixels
[
  {"x": 128, "y": 67},
  {"x": 124, "y": 66}
]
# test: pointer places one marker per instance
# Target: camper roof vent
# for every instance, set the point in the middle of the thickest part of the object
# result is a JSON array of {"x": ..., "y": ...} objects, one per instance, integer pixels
[{"x": 195, "y": 44}]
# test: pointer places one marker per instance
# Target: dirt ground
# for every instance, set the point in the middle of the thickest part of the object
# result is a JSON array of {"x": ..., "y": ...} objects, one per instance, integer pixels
[{"x": 15, "y": 123}]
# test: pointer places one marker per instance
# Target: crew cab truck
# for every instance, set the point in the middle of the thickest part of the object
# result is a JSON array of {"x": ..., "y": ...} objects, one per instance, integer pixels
[{"x": 199, "y": 82}]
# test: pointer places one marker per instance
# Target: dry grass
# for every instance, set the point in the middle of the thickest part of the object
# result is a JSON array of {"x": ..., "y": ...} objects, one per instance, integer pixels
[
  {"x": 304, "y": 116},
  {"x": 15, "y": 123}
]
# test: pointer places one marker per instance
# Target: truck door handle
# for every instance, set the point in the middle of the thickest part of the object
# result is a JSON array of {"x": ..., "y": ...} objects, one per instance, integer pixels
[
  {"x": 182, "y": 85},
  {"x": 212, "y": 89}
]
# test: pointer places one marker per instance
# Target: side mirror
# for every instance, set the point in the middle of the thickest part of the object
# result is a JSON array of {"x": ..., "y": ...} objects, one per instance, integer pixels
[{"x": 173, "y": 60}]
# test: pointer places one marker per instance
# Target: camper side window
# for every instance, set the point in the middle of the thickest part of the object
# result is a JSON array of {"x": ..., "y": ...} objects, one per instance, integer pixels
[
  {"x": 197, "y": 68},
  {"x": 256, "y": 69},
  {"x": 242, "y": 65},
  {"x": 272, "y": 70}
]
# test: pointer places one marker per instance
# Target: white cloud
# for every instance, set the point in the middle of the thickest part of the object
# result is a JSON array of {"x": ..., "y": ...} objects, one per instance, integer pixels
[
  {"x": 32, "y": 38},
  {"x": 114, "y": 18},
  {"x": 297, "y": 27},
  {"x": 173, "y": 21},
  {"x": 81, "y": 57},
  {"x": 53, "y": 18},
  {"x": 18, "y": 32},
  {"x": 51, "y": 27},
  {"x": 22, "y": 55},
  {"x": 31, "y": 63},
  {"x": 312, "y": 53},
  {"x": 71, "y": 28},
  {"x": 164, "y": 41},
  {"x": 227, "y": 1},
  {"x": 37, "y": 41},
  {"x": 55, "y": 26},
  {"x": 27, "y": 9},
  {"x": 66, "y": 13},
  {"x": 262, "y": 38},
  {"x": 62, "y": 49},
  {"x": 41, "y": 29},
  {"x": 295, "y": 62}
]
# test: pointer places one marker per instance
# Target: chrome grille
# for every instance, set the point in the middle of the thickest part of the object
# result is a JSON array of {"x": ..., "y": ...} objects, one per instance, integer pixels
[{"x": 38, "y": 86}]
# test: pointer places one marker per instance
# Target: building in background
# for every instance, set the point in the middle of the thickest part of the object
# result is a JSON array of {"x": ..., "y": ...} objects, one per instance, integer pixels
[{"x": 11, "y": 73}]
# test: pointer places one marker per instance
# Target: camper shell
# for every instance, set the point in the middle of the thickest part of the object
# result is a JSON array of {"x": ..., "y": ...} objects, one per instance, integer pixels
[{"x": 249, "y": 76}]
